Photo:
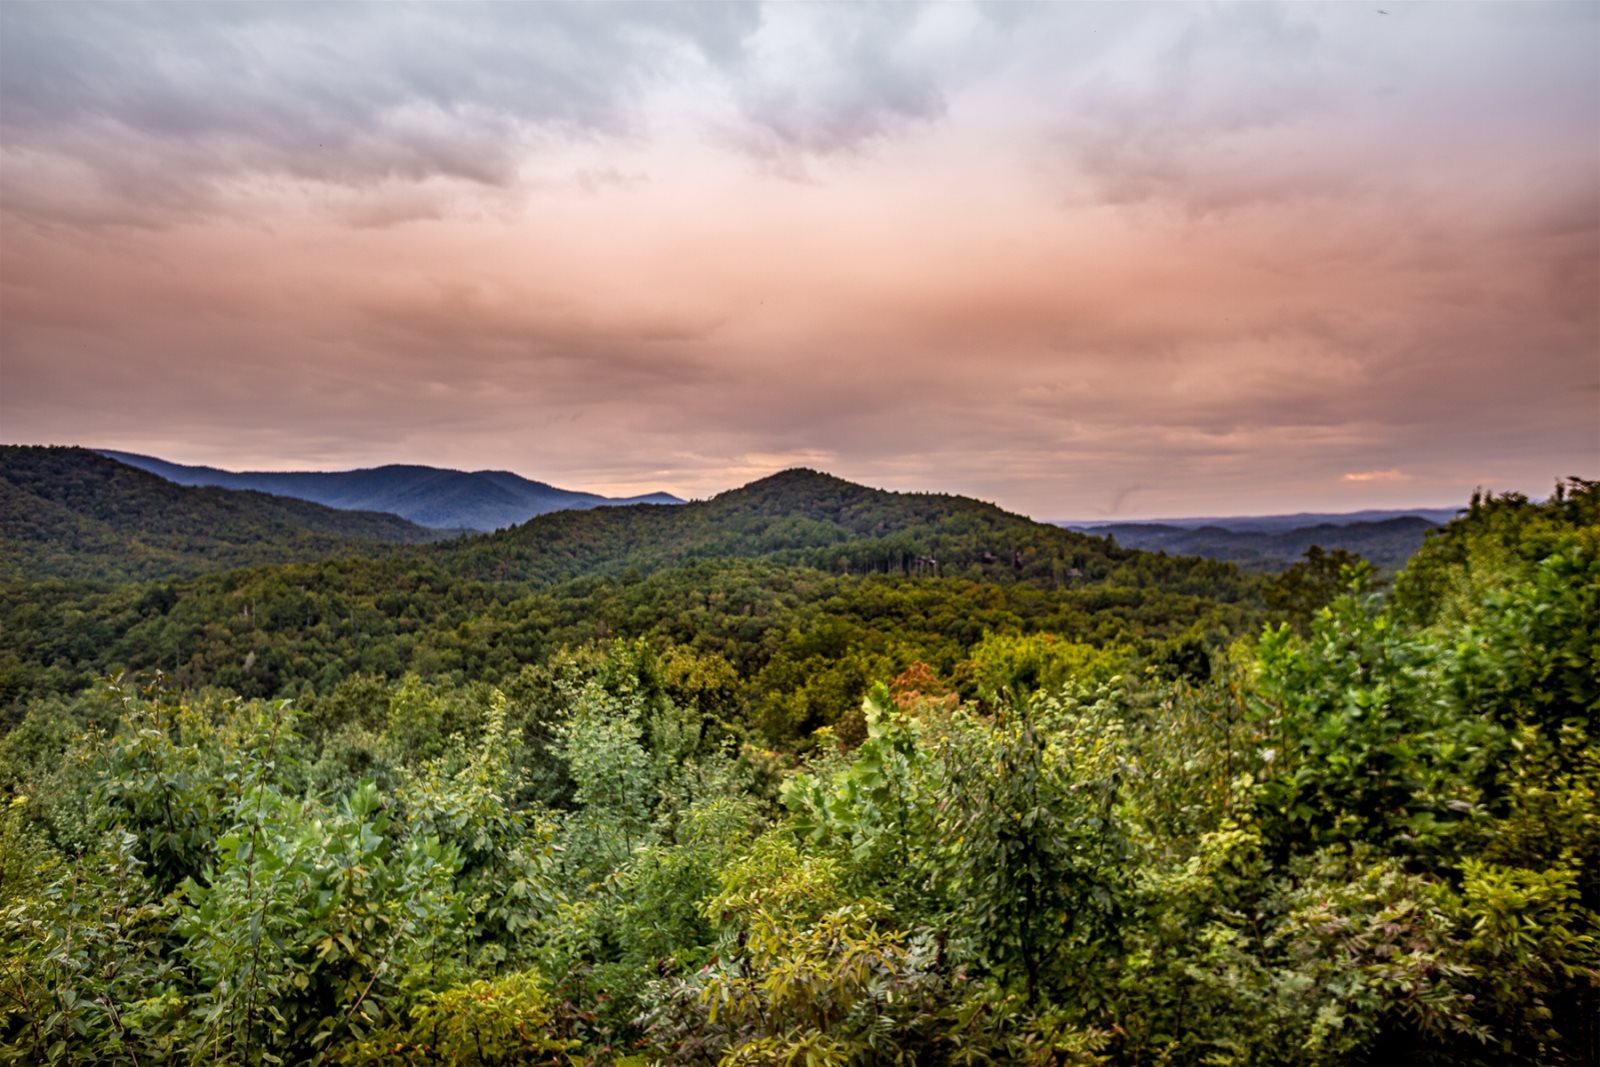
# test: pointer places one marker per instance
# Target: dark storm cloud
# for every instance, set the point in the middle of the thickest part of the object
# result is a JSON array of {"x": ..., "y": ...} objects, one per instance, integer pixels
[
  {"x": 284, "y": 73},
  {"x": 823, "y": 85},
  {"x": 135, "y": 113},
  {"x": 1251, "y": 105},
  {"x": 140, "y": 108}
]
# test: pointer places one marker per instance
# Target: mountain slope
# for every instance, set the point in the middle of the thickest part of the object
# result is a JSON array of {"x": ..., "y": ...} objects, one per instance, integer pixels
[
  {"x": 72, "y": 513},
  {"x": 429, "y": 496},
  {"x": 805, "y": 518}
]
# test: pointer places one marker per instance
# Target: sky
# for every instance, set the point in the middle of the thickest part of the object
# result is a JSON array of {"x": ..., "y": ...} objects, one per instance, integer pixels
[{"x": 1087, "y": 261}]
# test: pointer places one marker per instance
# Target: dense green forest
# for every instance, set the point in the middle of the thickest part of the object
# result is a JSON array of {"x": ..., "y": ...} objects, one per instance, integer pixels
[
  {"x": 804, "y": 774},
  {"x": 809, "y": 587}
]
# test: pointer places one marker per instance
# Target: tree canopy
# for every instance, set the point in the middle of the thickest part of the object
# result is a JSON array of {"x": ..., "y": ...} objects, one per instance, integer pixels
[{"x": 748, "y": 787}]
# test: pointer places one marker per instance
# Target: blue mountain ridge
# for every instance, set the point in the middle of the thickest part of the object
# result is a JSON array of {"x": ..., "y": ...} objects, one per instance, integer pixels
[
  {"x": 1269, "y": 523},
  {"x": 429, "y": 496},
  {"x": 1272, "y": 542}
]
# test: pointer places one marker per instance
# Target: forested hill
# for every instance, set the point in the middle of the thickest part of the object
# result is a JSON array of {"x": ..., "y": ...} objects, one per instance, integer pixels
[
  {"x": 72, "y": 513},
  {"x": 805, "y": 518},
  {"x": 808, "y": 584},
  {"x": 430, "y": 496}
]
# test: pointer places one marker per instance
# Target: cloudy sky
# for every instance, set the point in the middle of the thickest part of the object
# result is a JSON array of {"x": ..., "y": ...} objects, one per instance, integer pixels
[{"x": 1082, "y": 260}]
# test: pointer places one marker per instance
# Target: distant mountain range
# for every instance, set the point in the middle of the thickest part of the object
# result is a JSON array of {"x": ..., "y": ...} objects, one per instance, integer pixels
[
  {"x": 139, "y": 515},
  {"x": 428, "y": 496},
  {"x": 1271, "y": 542},
  {"x": 1276, "y": 523},
  {"x": 76, "y": 514},
  {"x": 70, "y": 513}
]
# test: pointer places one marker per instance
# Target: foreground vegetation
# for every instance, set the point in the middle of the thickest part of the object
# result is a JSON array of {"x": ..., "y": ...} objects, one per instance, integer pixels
[{"x": 1072, "y": 826}]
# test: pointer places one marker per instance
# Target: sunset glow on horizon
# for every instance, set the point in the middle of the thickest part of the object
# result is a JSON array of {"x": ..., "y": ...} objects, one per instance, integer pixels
[{"x": 1086, "y": 261}]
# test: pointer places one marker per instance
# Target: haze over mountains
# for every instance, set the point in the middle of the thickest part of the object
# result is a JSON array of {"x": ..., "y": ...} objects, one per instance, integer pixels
[
  {"x": 1273, "y": 542},
  {"x": 1385, "y": 538},
  {"x": 428, "y": 496},
  {"x": 1273, "y": 523}
]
